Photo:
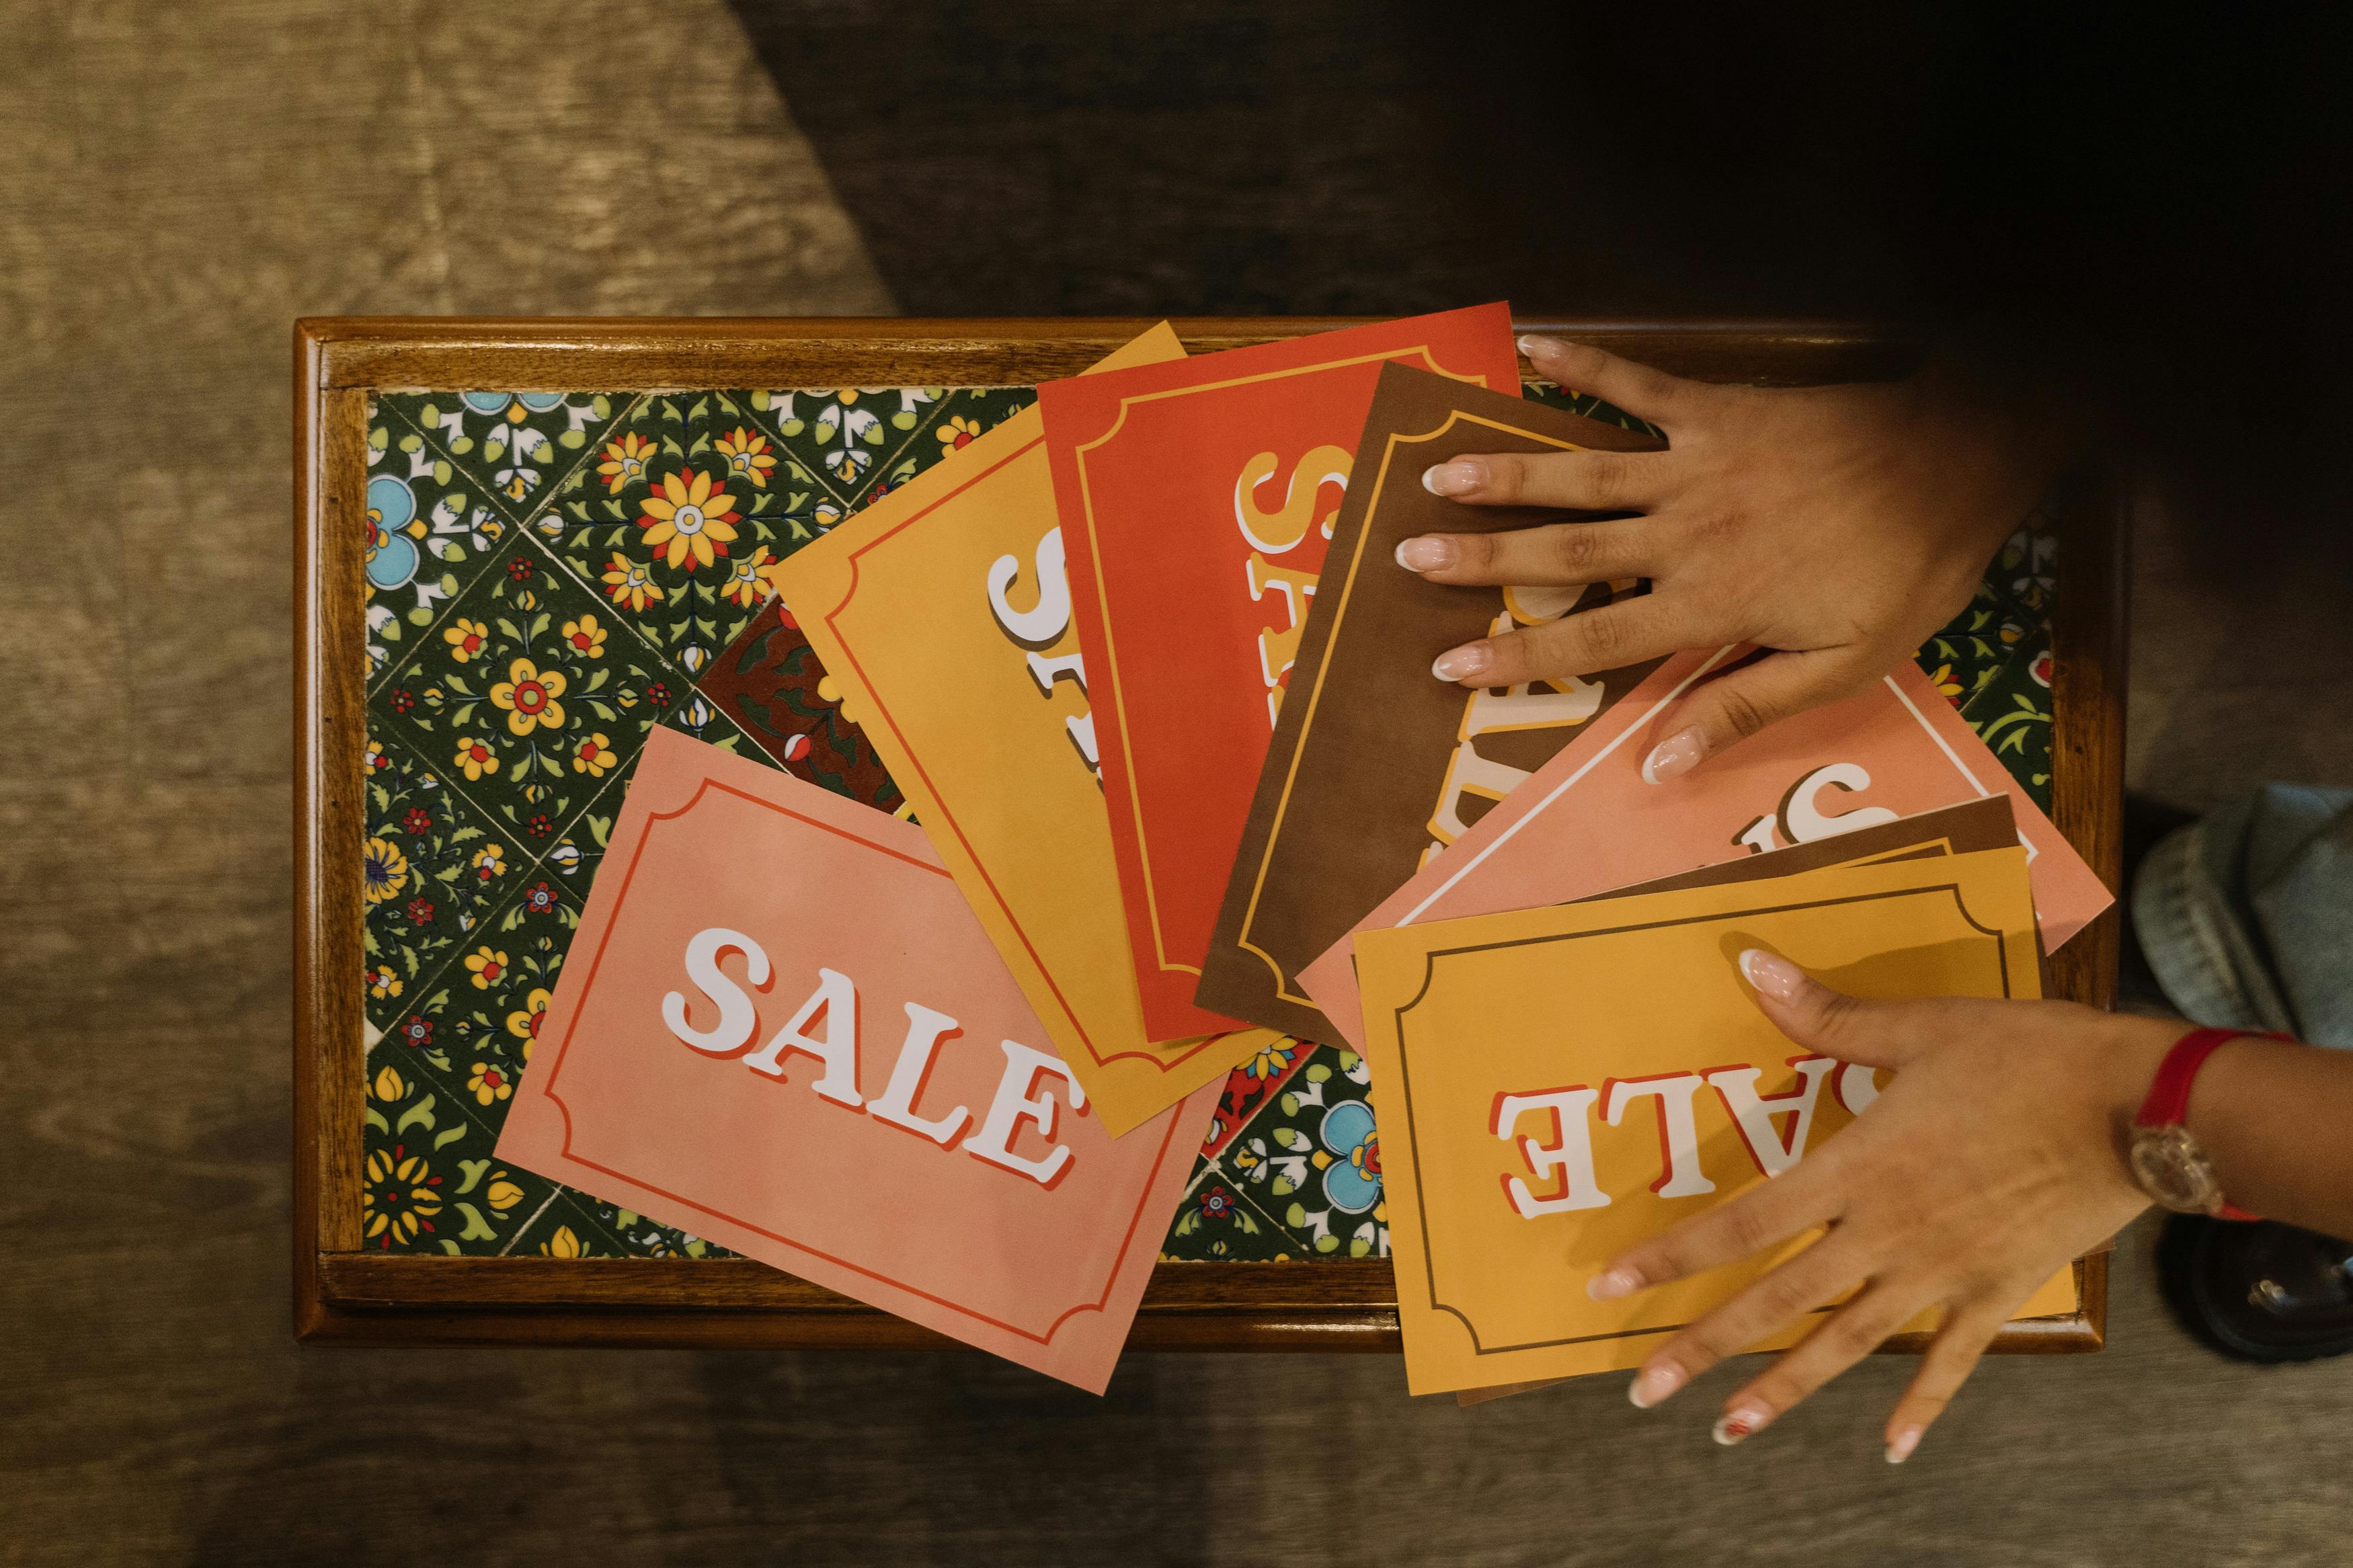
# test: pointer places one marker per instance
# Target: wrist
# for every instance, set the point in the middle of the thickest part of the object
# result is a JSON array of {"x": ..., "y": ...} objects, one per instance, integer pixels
[
  {"x": 2136, "y": 1049},
  {"x": 2012, "y": 446},
  {"x": 2019, "y": 403},
  {"x": 2169, "y": 1161}
]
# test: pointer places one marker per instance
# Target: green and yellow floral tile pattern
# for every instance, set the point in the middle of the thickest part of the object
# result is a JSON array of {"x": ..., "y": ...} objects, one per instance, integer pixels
[{"x": 552, "y": 575}]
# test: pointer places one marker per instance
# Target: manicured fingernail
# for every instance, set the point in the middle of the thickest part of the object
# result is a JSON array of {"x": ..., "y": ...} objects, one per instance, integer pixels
[
  {"x": 1532, "y": 345},
  {"x": 1772, "y": 975},
  {"x": 1612, "y": 1283},
  {"x": 1459, "y": 478},
  {"x": 1431, "y": 552},
  {"x": 1678, "y": 753},
  {"x": 1745, "y": 1420},
  {"x": 1653, "y": 1384},
  {"x": 1900, "y": 1446},
  {"x": 1463, "y": 663}
]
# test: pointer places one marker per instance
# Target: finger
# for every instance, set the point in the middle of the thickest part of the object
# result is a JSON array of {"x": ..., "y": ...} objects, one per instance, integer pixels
[
  {"x": 1561, "y": 552},
  {"x": 1582, "y": 480},
  {"x": 1879, "y": 1034},
  {"x": 1951, "y": 1360},
  {"x": 1844, "y": 1338},
  {"x": 1644, "y": 392},
  {"x": 1608, "y": 638},
  {"x": 1733, "y": 706},
  {"x": 1821, "y": 1274},
  {"x": 1765, "y": 1216}
]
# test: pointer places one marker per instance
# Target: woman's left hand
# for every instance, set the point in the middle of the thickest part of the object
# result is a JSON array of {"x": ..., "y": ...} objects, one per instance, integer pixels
[{"x": 1993, "y": 1158}]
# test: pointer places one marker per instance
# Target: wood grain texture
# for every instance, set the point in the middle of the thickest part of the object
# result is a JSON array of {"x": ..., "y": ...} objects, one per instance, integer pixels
[
  {"x": 330, "y": 727},
  {"x": 738, "y": 1303},
  {"x": 343, "y": 1295},
  {"x": 2089, "y": 627},
  {"x": 619, "y": 353}
]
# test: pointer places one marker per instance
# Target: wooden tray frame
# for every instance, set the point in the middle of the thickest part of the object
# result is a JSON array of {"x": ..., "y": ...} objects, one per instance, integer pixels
[{"x": 345, "y": 1294}]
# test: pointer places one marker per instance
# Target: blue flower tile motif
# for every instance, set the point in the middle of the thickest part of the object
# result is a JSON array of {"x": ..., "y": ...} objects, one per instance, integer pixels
[
  {"x": 393, "y": 532},
  {"x": 1351, "y": 1157},
  {"x": 1310, "y": 1158}
]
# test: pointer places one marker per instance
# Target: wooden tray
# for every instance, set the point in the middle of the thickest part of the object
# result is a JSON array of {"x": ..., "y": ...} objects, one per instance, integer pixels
[{"x": 343, "y": 1292}]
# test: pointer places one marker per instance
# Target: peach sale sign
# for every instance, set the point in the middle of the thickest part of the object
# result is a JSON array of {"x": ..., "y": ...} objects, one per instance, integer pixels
[
  {"x": 1587, "y": 821},
  {"x": 780, "y": 1028}
]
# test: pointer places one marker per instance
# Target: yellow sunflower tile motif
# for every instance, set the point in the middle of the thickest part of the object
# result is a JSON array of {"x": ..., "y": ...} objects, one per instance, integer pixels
[{"x": 688, "y": 519}]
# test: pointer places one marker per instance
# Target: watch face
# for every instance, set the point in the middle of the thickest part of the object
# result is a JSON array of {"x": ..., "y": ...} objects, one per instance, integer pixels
[{"x": 2172, "y": 1169}]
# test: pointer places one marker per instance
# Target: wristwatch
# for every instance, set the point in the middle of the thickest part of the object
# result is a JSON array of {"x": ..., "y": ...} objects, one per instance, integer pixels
[{"x": 2168, "y": 1162}]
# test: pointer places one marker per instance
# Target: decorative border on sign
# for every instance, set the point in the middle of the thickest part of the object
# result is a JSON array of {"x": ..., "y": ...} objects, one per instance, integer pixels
[{"x": 1404, "y": 1074}]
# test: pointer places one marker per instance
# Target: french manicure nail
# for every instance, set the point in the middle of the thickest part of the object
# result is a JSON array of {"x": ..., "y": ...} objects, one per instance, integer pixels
[
  {"x": 1611, "y": 1284},
  {"x": 1741, "y": 1421},
  {"x": 1653, "y": 1384},
  {"x": 1772, "y": 975},
  {"x": 1678, "y": 753},
  {"x": 1431, "y": 552},
  {"x": 1532, "y": 345},
  {"x": 1459, "y": 478},
  {"x": 1900, "y": 1446},
  {"x": 1462, "y": 663}
]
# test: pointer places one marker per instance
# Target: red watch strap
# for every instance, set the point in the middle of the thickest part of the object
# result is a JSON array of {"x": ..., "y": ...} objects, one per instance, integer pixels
[{"x": 2168, "y": 1092}]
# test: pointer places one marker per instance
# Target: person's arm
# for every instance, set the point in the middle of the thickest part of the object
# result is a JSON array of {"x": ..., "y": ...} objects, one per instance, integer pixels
[
  {"x": 2277, "y": 1118},
  {"x": 1837, "y": 525},
  {"x": 1996, "y": 1155}
]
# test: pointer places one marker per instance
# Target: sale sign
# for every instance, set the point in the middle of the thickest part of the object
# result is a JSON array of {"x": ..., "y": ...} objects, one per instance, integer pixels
[
  {"x": 1556, "y": 1085},
  {"x": 1587, "y": 821},
  {"x": 1195, "y": 499},
  {"x": 780, "y": 1028}
]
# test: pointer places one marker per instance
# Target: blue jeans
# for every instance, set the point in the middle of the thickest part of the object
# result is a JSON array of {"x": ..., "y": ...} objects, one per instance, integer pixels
[{"x": 2247, "y": 915}]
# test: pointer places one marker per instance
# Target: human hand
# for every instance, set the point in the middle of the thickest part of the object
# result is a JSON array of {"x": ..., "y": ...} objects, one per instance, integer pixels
[
  {"x": 1837, "y": 526},
  {"x": 1994, "y": 1158}
]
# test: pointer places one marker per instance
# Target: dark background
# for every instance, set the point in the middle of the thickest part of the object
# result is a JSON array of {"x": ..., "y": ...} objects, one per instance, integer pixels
[{"x": 178, "y": 183}]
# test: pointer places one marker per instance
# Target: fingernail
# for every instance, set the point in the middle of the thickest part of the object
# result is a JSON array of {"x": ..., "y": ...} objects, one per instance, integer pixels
[
  {"x": 1772, "y": 975},
  {"x": 1532, "y": 345},
  {"x": 1744, "y": 1420},
  {"x": 1459, "y": 478},
  {"x": 1678, "y": 753},
  {"x": 1462, "y": 663},
  {"x": 1900, "y": 1446},
  {"x": 1653, "y": 1384},
  {"x": 1612, "y": 1283},
  {"x": 1431, "y": 552}
]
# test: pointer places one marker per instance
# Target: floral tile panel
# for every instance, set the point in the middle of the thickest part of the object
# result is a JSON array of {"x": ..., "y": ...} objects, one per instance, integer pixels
[{"x": 552, "y": 575}]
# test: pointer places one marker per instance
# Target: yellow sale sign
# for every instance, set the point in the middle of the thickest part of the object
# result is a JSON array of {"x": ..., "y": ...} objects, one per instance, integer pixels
[
  {"x": 943, "y": 610},
  {"x": 1556, "y": 1085}
]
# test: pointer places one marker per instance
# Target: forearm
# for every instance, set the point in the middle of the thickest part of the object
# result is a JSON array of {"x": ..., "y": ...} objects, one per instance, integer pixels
[{"x": 2277, "y": 1118}]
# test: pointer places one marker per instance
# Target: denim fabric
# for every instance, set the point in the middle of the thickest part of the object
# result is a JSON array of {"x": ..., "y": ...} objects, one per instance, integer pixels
[{"x": 2247, "y": 915}]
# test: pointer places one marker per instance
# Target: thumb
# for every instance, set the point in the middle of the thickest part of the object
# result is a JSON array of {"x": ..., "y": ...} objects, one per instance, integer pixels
[
  {"x": 1833, "y": 1024},
  {"x": 1733, "y": 706}
]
